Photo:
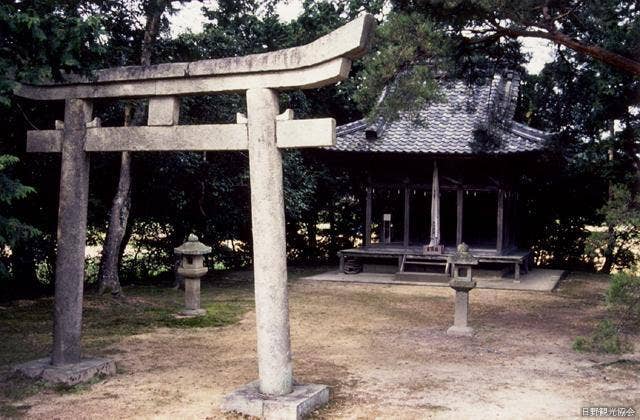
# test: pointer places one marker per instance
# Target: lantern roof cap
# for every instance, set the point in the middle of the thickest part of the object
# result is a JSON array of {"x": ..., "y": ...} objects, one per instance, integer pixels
[
  {"x": 463, "y": 256},
  {"x": 192, "y": 247}
]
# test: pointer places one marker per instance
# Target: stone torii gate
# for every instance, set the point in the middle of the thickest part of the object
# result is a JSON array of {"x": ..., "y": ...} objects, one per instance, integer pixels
[{"x": 263, "y": 132}]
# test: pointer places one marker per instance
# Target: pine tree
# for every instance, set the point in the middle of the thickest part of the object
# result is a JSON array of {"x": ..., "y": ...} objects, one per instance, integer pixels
[{"x": 11, "y": 229}]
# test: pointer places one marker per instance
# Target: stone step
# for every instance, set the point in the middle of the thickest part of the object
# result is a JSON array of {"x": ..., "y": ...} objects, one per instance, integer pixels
[
  {"x": 407, "y": 261},
  {"x": 426, "y": 277}
]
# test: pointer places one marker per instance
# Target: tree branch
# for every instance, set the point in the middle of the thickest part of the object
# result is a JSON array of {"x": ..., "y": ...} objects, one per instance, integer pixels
[
  {"x": 482, "y": 39},
  {"x": 603, "y": 55}
]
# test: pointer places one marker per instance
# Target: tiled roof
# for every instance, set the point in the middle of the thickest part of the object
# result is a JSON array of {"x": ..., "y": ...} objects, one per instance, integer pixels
[{"x": 453, "y": 126}]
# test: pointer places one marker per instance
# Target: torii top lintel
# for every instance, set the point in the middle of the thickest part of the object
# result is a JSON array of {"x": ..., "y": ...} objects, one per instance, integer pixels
[{"x": 322, "y": 62}]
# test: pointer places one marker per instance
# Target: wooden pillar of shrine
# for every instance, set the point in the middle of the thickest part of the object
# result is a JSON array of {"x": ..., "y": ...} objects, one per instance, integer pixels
[
  {"x": 407, "y": 213},
  {"x": 459, "y": 214},
  {"x": 500, "y": 222}
]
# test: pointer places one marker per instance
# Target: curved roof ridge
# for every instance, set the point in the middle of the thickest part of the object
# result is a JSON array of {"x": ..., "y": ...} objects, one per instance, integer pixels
[
  {"x": 351, "y": 127},
  {"x": 466, "y": 119}
]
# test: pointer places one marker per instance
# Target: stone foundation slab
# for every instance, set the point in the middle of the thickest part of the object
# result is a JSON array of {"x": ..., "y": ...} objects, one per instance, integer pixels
[
  {"x": 191, "y": 313},
  {"x": 460, "y": 331},
  {"x": 303, "y": 400},
  {"x": 70, "y": 374}
]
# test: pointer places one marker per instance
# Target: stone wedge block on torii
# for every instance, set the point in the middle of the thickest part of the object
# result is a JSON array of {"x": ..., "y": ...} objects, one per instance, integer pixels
[{"x": 263, "y": 132}]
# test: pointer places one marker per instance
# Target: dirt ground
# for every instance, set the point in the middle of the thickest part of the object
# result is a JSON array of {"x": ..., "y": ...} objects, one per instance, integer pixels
[{"x": 384, "y": 352}]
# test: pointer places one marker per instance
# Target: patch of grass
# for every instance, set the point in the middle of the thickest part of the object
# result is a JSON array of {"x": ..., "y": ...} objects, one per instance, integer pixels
[
  {"x": 18, "y": 387},
  {"x": 77, "y": 388},
  {"x": 10, "y": 411},
  {"x": 218, "y": 314},
  {"x": 14, "y": 388},
  {"x": 25, "y": 326},
  {"x": 146, "y": 308}
]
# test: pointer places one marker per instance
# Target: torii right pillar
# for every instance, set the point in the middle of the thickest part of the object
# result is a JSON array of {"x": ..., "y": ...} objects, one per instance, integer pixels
[
  {"x": 274, "y": 395},
  {"x": 269, "y": 244}
]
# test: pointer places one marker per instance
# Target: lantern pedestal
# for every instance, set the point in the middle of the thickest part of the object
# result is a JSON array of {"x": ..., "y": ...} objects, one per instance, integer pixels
[
  {"x": 460, "y": 326},
  {"x": 191, "y": 295}
]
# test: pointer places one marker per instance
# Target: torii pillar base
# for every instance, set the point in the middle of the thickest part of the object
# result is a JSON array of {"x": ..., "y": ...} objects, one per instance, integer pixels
[
  {"x": 67, "y": 374},
  {"x": 304, "y": 399},
  {"x": 460, "y": 331}
]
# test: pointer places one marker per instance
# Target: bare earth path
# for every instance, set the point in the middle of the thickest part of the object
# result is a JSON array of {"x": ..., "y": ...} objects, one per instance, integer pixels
[{"x": 384, "y": 352}]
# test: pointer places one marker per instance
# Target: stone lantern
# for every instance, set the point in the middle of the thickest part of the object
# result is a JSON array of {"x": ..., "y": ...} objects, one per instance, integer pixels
[
  {"x": 462, "y": 263},
  {"x": 192, "y": 268}
]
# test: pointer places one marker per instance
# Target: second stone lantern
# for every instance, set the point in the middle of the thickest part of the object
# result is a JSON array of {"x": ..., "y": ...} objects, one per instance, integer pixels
[
  {"x": 462, "y": 263},
  {"x": 192, "y": 268}
]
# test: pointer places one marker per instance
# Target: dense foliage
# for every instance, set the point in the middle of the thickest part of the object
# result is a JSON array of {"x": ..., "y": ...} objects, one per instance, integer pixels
[{"x": 12, "y": 230}]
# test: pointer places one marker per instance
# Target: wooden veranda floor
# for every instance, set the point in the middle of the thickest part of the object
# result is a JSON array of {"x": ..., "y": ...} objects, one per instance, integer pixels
[
  {"x": 398, "y": 250},
  {"x": 517, "y": 258}
]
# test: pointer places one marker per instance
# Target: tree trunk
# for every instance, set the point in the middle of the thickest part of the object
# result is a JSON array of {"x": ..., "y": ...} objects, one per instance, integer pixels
[
  {"x": 333, "y": 237},
  {"x": 108, "y": 278},
  {"x": 108, "y": 275},
  {"x": 609, "y": 253},
  {"x": 179, "y": 235},
  {"x": 312, "y": 231}
]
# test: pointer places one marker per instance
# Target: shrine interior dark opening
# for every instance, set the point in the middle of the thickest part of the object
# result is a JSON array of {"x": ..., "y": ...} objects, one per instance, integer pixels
[{"x": 479, "y": 219}]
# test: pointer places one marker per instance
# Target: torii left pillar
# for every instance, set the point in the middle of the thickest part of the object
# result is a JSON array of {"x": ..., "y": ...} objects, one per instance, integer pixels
[{"x": 66, "y": 364}]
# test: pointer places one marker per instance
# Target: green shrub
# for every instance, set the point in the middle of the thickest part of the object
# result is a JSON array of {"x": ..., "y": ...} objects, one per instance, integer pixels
[
  {"x": 623, "y": 305},
  {"x": 581, "y": 344},
  {"x": 623, "y": 300},
  {"x": 91, "y": 269},
  {"x": 605, "y": 339}
]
